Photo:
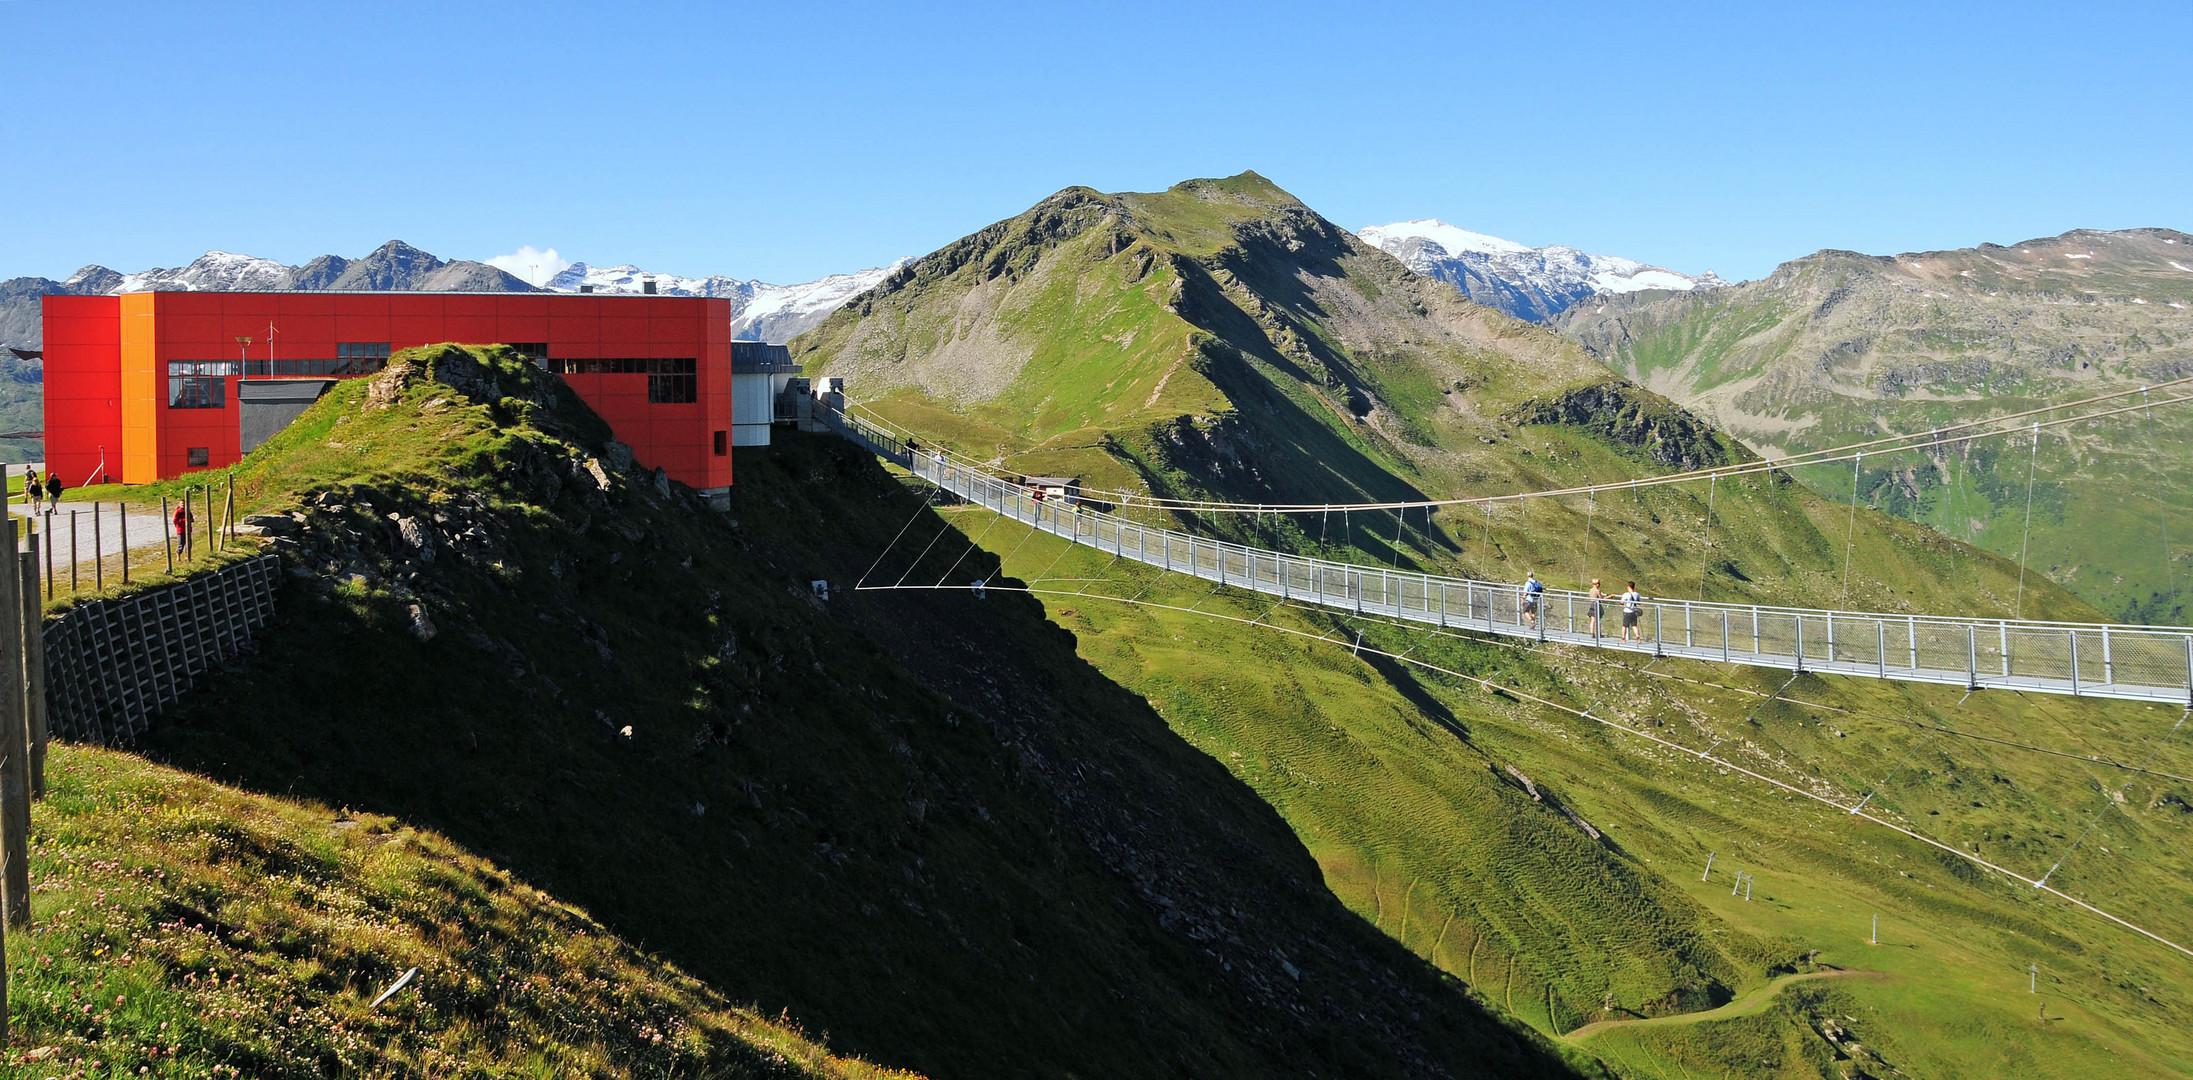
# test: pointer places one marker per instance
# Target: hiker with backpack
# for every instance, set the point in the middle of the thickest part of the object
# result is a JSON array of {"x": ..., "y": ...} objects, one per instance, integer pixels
[
  {"x": 1532, "y": 590},
  {"x": 1633, "y": 606},
  {"x": 32, "y": 490}
]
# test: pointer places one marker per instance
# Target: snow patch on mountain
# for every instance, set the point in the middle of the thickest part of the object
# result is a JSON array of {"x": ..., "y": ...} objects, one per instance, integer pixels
[
  {"x": 214, "y": 271},
  {"x": 759, "y": 310},
  {"x": 1530, "y": 283}
]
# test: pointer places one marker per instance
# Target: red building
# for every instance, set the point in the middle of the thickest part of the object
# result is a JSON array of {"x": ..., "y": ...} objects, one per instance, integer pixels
[{"x": 144, "y": 386}]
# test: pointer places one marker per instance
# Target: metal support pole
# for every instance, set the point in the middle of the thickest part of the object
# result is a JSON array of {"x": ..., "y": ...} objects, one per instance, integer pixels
[
  {"x": 34, "y": 670},
  {"x": 1800, "y": 620},
  {"x": 1880, "y": 645},
  {"x": 14, "y": 748},
  {"x": 2004, "y": 628},
  {"x": 1972, "y": 656},
  {"x": 1912, "y": 627},
  {"x": 2074, "y": 662},
  {"x": 1724, "y": 635},
  {"x": 2109, "y": 670}
]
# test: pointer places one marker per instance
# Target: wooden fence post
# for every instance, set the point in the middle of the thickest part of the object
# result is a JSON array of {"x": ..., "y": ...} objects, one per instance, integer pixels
[
  {"x": 123, "y": 523},
  {"x": 209, "y": 519},
  {"x": 15, "y": 745},
  {"x": 34, "y": 669},
  {"x": 167, "y": 533}
]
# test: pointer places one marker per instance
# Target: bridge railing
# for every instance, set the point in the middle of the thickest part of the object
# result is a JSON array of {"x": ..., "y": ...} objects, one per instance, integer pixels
[{"x": 2087, "y": 659}]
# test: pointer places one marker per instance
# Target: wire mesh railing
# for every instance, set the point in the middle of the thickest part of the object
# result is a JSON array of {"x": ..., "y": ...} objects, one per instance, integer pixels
[{"x": 2140, "y": 663}]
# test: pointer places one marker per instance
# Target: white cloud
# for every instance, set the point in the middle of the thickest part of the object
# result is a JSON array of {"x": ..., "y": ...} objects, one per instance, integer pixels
[{"x": 531, "y": 264}]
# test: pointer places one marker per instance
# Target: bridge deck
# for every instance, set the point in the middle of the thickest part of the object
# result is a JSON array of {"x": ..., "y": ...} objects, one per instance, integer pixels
[{"x": 2138, "y": 663}]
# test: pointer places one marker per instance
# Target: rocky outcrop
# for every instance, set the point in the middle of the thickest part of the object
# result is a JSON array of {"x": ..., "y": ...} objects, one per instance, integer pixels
[{"x": 1635, "y": 418}]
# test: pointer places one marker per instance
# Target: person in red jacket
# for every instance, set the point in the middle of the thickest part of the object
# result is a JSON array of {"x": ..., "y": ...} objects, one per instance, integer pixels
[{"x": 182, "y": 528}]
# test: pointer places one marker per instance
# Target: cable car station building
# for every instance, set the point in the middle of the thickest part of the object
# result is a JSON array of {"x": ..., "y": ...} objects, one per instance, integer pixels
[{"x": 146, "y": 386}]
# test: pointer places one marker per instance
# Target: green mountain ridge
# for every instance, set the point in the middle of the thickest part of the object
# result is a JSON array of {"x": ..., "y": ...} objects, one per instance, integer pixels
[{"x": 1220, "y": 339}]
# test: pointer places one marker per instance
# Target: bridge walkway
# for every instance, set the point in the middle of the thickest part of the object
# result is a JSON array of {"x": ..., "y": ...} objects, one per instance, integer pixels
[{"x": 2137, "y": 663}]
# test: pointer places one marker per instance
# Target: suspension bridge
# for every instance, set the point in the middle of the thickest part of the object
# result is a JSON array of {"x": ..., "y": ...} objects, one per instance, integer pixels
[{"x": 2096, "y": 660}]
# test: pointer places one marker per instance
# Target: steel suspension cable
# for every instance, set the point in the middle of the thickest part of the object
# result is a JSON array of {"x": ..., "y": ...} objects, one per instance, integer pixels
[
  {"x": 1850, "y": 531},
  {"x": 2111, "y": 799},
  {"x": 1818, "y": 457},
  {"x": 925, "y": 495},
  {"x": 2017, "y": 610},
  {"x": 2162, "y": 513},
  {"x": 1705, "y": 554},
  {"x": 1486, "y": 684},
  {"x": 1479, "y": 637}
]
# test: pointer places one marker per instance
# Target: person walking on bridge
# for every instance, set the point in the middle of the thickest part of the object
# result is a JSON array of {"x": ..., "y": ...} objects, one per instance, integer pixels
[
  {"x": 1633, "y": 606},
  {"x": 1532, "y": 590},
  {"x": 1597, "y": 607}
]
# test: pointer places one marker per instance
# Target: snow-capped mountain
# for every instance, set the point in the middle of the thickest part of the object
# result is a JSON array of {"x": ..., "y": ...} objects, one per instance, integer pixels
[
  {"x": 1526, "y": 282},
  {"x": 394, "y": 265},
  {"x": 214, "y": 271},
  {"x": 760, "y": 311}
]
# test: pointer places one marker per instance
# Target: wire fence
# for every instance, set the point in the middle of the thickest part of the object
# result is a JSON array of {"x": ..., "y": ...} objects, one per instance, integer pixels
[
  {"x": 2083, "y": 659},
  {"x": 92, "y": 547},
  {"x": 112, "y": 665}
]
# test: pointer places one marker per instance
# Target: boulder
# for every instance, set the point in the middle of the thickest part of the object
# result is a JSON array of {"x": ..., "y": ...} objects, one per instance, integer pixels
[{"x": 268, "y": 525}]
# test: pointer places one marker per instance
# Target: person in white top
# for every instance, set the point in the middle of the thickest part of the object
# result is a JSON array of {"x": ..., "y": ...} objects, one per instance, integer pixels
[{"x": 1633, "y": 606}]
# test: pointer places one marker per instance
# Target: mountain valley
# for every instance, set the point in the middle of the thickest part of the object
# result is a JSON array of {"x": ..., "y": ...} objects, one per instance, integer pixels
[{"x": 1839, "y": 347}]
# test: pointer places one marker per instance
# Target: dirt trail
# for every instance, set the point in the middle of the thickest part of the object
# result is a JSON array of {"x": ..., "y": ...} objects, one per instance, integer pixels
[{"x": 1746, "y": 1005}]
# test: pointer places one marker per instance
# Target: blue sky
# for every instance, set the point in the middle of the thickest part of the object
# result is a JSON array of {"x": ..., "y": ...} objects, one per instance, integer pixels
[{"x": 786, "y": 141}]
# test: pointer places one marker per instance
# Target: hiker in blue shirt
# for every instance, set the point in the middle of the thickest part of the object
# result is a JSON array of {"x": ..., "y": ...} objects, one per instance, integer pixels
[
  {"x": 1633, "y": 606},
  {"x": 1532, "y": 587}
]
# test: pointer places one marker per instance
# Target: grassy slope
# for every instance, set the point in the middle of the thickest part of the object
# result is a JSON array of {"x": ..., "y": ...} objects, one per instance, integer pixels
[
  {"x": 1814, "y": 356},
  {"x": 1366, "y": 764},
  {"x": 190, "y": 929},
  {"x": 1016, "y": 870},
  {"x": 1390, "y": 779}
]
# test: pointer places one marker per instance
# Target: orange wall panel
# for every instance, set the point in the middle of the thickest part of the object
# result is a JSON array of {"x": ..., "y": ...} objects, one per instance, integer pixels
[{"x": 141, "y": 387}]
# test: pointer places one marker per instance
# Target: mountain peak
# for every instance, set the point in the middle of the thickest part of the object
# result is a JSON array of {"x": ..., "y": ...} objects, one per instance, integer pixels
[{"x": 1246, "y": 186}]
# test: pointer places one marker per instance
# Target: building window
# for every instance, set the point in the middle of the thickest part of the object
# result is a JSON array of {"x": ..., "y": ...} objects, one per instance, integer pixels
[
  {"x": 723, "y": 443},
  {"x": 535, "y": 351},
  {"x": 196, "y": 457},
  {"x": 199, "y": 384},
  {"x": 358, "y": 358},
  {"x": 609, "y": 365},
  {"x": 672, "y": 382}
]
